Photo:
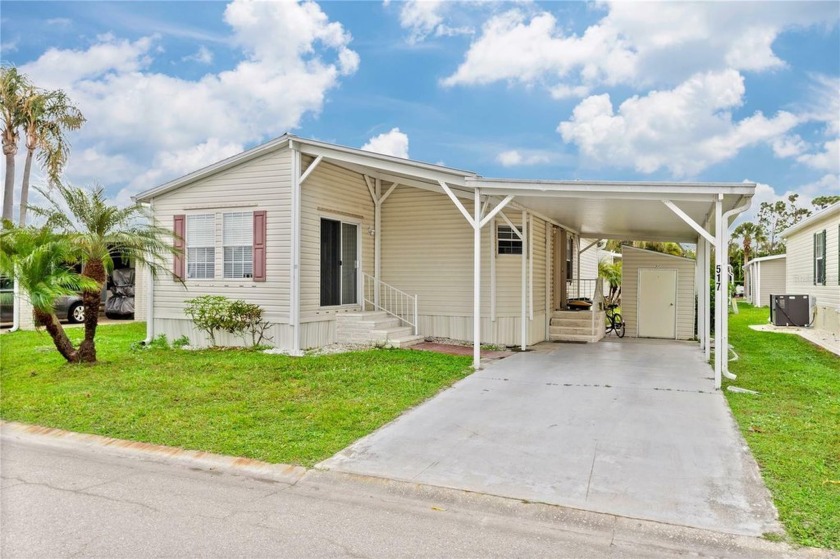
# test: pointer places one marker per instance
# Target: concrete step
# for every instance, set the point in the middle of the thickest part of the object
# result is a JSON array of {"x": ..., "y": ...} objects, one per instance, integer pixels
[
  {"x": 366, "y": 315},
  {"x": 572, "y": 322},
  {"x": 565, "y": 330},
  {"x": 380, "y": 323},
  {"x": 573, "y": 338},
  {"x": 404, "y": 342},
  {"x": 386, "y": 334}
]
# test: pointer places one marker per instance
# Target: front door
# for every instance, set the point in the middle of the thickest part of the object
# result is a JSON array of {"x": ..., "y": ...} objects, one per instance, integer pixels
[
  {"x": 339, "y": 263},
  {"x": 657, "y": 303}
]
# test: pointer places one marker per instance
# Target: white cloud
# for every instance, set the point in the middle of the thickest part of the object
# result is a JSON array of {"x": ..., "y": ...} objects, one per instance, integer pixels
[
  {"x": 650, "y": 43},
  {"x": 684, "y": 130},
  {"x": 392, "y": 142},
  {"x": 826, "y": 160},
  {"x": 516, "y": 158},
  {"x": 203, "y": 56},
  {"x": 60, "y": 21},
  {"x": 426, "y": 17},
  {"x": 789, "y": 146},
  {"x": 293, "y": 55}
]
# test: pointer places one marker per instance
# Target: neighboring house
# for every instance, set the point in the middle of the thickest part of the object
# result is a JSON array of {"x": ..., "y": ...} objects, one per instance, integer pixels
[
  {"x": 320, "y": 235},
  {"x": 764, "y": 277},
  {"x": 657, "y": 294},
  {"x": 813, "y": 264}
]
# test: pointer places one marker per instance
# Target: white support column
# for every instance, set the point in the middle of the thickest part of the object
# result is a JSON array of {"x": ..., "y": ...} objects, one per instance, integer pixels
[
  {"x": 294, "y": 267},
  {"x": 547, "y": 280},
  {"x": 530, "y": 269},
  {"x": 707, "y": 301},
  {"x": 523, "y": 330},
  {"x": 698, "y": 283},
  {"x": 494, "y": 251},
  {"x": 476, "y": 224},
  {"x": 720, "y": 248},
  {"x": 377, "y": 239}
]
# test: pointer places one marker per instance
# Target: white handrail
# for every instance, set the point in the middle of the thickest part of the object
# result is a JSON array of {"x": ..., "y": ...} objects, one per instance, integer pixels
[
  {"x": 387, "y": 298},
  {"x": 581, "y": 288}
]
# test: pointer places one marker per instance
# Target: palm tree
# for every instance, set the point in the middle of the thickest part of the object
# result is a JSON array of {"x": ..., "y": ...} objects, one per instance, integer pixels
[
  {"x": 41, "y": 262},
  {"x": 46, "y": 116},
  {"x": 612, "y": 273},
  {"x": 96, "y": 230},
  {"x": 749, "y": 232},
  {"x": 13, "y": 89}
]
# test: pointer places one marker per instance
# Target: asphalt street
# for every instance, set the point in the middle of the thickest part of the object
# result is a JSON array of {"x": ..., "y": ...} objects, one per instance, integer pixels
[{"x": 61, "y": 500}]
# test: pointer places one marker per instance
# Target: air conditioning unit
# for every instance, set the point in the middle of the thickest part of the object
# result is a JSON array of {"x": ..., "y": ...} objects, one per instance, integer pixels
[{"x": 791, "y": 310}]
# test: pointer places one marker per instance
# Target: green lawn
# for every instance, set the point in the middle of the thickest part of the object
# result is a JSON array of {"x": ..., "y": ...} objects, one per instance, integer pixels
[
  {"x": 793, "y": 426},
  {"x": 238, "y": 402}
]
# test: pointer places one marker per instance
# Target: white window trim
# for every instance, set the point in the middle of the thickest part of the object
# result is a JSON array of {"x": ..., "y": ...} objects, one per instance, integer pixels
[
  {"x": 224, "y": 246},
  {"x": 360, "y": 279},
  {"x": 188, "y": 246},
  {"x": 515, "y": 239}
]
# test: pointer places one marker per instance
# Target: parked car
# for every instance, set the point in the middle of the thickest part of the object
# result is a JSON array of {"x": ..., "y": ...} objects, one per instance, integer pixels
[
  {"x": 6, "y": 300},
  {"x": 70, "y": 307}
]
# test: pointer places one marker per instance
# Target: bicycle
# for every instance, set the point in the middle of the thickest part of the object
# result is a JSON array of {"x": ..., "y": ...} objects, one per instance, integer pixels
[{"x": 614, "y": 321}]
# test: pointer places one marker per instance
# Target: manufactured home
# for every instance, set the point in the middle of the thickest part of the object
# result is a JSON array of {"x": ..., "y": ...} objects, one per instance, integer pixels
[
  {"x": 764, "y": 277},
  {"x": 813, "y": 264},
  {"x": 339, "y": 244}
]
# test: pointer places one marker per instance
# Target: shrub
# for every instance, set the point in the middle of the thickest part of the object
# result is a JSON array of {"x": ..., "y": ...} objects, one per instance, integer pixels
[{"x": 213, "y": 313}]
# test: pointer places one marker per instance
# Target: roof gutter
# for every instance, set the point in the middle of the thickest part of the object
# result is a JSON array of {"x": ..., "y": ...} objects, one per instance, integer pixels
[
  {"x": 724, "y": 343},
  {"x": 150, "y": 294}
]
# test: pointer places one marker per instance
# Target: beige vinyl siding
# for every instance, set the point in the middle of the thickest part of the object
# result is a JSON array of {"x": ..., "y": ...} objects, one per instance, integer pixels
[
  {"x": 767, "y": 277},
  {"x": 634, "y": 259},
  {"x": 427, "y": 250},
  {"x": 800, "y": 270},
  {"x": 263, "y": 183},
  {"x": 330, "y": 192}
]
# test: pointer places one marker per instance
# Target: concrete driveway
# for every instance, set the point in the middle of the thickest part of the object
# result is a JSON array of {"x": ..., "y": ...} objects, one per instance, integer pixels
[{"x": 633, "y": 428}]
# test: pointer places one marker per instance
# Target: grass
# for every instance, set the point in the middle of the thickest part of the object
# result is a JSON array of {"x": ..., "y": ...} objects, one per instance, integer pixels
[
  {"x": 238, "y": 402},
  {"x": 793, "y": 426}
]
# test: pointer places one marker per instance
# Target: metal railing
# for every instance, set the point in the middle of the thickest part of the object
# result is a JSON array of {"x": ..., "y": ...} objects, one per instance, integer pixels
[
  {"x": 380, "y": 296},
  {"x": 581, "y": 288}
]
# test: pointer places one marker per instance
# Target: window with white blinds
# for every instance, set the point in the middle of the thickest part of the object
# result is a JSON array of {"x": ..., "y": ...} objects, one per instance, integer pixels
[
  {"x": 201, "y": 252},
  {"x": 238, "y": 244}
]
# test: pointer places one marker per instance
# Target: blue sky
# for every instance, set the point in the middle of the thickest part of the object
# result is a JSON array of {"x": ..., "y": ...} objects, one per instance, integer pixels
[{"x": 688, "y": 91}]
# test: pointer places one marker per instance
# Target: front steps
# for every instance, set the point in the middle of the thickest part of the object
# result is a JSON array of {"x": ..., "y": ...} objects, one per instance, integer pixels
[
  {"x": 577, "y": 326},
  {"x": 373, "y": 327}
]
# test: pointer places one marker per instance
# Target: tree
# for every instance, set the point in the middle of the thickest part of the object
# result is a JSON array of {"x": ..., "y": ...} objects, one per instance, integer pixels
[
  {"x": 41, "y": 262},
  {"x": 749, "y": 232},
  {"x": 13, "y": 89},
  {"x": 612, "y": 273},
  {"x": 777, "y": 216},
  {"x": 46, "y": 116},
  {"x": 822, "y": 202},
  {"x": 96, "y": 229}
]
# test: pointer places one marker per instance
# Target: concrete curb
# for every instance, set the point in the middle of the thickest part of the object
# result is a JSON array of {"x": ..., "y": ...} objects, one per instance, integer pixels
[{"x": 281, "y": 473}]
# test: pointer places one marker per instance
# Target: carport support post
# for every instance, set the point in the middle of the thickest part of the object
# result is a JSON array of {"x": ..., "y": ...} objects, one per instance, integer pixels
[
  {"x": 698, "y": 282},
  {"x": 720, "y": 247},
  {"x": 477, "y": 281},
  {"x": 707, "y": 303}
]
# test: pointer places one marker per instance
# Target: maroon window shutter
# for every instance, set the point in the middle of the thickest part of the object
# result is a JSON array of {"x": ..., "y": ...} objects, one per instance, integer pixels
[
  {"x": 259, "y": 245},
  {"x": 179, "y": 229}
]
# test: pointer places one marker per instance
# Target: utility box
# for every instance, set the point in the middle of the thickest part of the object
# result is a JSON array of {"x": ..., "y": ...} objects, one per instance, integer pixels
[{"x": 791, "y": 310}]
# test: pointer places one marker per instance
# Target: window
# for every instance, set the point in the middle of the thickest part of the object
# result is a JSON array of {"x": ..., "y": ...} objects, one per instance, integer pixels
[
  {"x": 508, "y": 241},
  {"x": 819, "y": 258},
  {"x": 201, "y": 252},
  {"x": 238, "y": 245}
]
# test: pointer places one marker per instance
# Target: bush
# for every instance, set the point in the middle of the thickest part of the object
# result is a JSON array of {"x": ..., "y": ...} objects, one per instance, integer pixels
[{"x": 213, "y": 313}]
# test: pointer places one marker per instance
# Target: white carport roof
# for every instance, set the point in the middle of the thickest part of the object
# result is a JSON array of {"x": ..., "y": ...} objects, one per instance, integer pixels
[{"x": 622, "y": 210}]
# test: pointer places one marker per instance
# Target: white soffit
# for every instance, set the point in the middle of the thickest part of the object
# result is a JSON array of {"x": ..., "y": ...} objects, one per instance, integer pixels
[{"x": 623, "y": 210}]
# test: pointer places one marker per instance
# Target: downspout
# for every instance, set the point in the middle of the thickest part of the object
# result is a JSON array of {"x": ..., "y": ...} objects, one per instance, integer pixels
[
  {"x": 724, "y": 312},
  {"x": 15, "y": 307},
  {"x": 150, "y": 293}
]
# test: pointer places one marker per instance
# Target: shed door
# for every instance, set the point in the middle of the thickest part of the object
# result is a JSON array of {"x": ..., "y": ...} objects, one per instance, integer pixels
[{"x": 657, "y": 303}]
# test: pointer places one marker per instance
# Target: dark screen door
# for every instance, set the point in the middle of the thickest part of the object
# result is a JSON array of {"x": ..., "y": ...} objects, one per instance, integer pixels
[{"x": 339, "y": 255}]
